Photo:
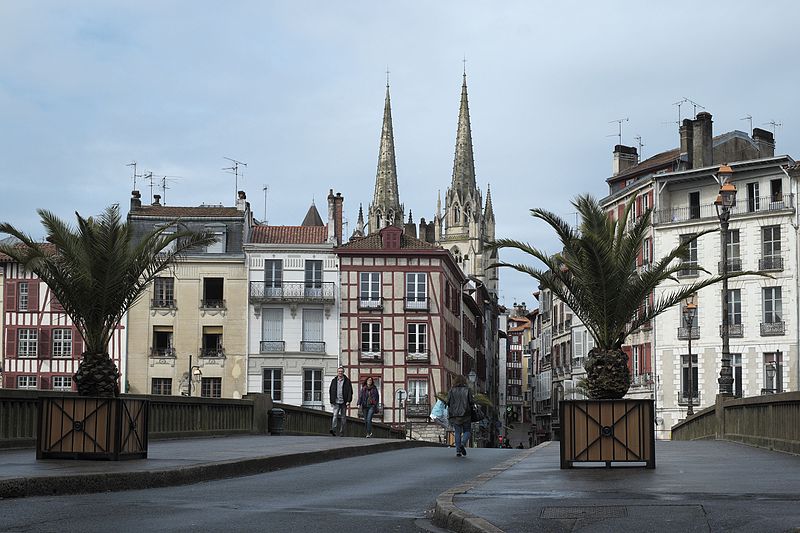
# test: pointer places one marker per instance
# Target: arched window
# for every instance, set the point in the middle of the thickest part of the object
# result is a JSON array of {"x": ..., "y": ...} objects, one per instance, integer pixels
[
  {"x": 380, "y": 219},
  {"x": 467, "y": 214},
  {"x": 456, "y": 214}
]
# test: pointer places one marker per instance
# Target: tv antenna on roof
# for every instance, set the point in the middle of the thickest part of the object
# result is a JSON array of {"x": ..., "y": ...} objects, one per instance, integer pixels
[
  {"x": 265, "y": 189},
  {"x": 695, "y": 105},
  {"x": 135, "y": 175},
  {"x": 164, "y": 186},
  {"x": 148, "y": 176},
  {"x": 234, "y": 169},
  {"x": 679, "y": 103},
  {"x": 749, "y": 118},
  {"x": 638, "y": 140},
  {"x": 619, "y": 122},
  {"x": 774, "y": 125}
]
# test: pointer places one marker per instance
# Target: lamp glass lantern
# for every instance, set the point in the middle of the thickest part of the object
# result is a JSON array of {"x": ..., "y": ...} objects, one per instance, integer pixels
[{"x": 689, "y": 314}]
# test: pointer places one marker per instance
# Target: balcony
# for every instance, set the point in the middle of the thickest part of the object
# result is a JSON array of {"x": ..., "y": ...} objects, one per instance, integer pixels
[
  {"x": 683, "y": 398},
  {"x": 734, "y": 265},
  {"x": 734, "y": 330},
  {"x": 370, "y": 303},
  {"x": 212, "y": 304},
  {"x": 772, "y": 263},
  {"x": 688, "y": 269},
  {"x": 370, "y": 357},
  {"x": 418, "y": 357},
  {"x": 208, "y": 351},
  {"x": 545, "y": 316},
  {"x": 312, "y": 346},
  {"x": 418, "y": 303},
  {"x": 418, "y": 409},
  {"x": 162, "y": 303},
  {"x": 272, "y": 346},
  {"x": 683, "y": 333},
  {"x": 162, "y": 352},
  {"x": 763, "y": 204},
  {"x": 642, "y": 380},
  {"x": 292, "y": 291},
  {"x": 771, "y": 329}
]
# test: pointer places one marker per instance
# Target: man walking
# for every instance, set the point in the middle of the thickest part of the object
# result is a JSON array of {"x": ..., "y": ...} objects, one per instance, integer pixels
[{"x": 341, "y": 395}]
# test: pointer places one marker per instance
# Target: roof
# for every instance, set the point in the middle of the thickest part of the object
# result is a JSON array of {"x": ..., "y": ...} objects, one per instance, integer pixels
[
  {"x": 185, "y": 212},
  {"x": 373, "y": 241},
  {"x": 289, "y": 234},
  {"x": 45, "y": 245},
  {"x": 312, "y": 217},
  {"x": 649, "y": 164}
]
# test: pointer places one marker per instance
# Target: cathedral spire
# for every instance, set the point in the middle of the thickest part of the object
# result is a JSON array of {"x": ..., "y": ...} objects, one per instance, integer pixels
[
  {"x": 488, "y": 212},
  {"x": 464, "y": 164},
  {"x": 386, "y": 209}
]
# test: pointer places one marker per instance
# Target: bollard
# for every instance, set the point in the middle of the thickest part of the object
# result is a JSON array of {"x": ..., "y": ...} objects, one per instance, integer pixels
[{"x": 277, "y": 417}]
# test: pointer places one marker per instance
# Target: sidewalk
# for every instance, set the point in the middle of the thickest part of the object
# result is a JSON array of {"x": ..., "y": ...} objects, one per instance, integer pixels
[
  {"x": 179, "y": 462},
  {"x": 696, "y": 486}
]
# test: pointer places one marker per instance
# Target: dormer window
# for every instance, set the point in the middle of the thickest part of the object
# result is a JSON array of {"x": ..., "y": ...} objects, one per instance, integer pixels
[{"x": 219, "y": 231}]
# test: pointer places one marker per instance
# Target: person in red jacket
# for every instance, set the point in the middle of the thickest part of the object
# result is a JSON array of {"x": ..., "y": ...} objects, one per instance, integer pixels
[{"x": 368, "y": 400}]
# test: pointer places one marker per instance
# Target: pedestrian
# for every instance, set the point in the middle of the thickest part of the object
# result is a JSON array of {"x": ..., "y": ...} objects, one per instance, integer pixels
[
  {"x": 530, "y": 441},
  {"x": 459, "y": 411},
  {"x": 520, "y": 447},
  {"x": 341, "y": 391},
  {"x": 368, "y": 400}
]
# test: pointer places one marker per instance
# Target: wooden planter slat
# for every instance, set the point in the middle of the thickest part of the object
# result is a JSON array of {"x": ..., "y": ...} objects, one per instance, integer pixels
[
  {"x": 607, "y": 431},
  {"x": 78, "y": 427}
]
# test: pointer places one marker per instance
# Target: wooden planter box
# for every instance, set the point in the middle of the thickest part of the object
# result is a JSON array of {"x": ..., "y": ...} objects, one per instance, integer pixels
[
  {"x": 607, "y": 431},
  {"x": 80, "y": 427}
]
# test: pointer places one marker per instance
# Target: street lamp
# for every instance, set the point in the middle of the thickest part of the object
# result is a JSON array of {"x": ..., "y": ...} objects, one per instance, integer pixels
[
  {"x": 689, "y": 312},
  {"x": 194, "y": 372},
  {"x": 724, "y": 203},
  {"x": 770, "y": 379}
]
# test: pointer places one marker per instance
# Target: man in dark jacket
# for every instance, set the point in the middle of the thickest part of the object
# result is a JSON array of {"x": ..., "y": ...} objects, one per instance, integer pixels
[
  {"x": 459, "y": 412},
  {"x": 341, "y": 392}
]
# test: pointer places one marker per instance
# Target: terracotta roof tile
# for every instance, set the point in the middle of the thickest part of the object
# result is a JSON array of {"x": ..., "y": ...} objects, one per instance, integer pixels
[
  {"x": 373, "y": 241},
  {"x": 289, "y": 234},
  {"x": 46, "y": 245},
  {"x": 182, "y": 212}
]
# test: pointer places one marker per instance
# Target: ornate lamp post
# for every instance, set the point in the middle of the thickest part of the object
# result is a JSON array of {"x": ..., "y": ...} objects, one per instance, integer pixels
[
  {"x": 194, "y": 373},
  {"x": 770, "y": 389},
  {"x": 724, "y": 203},
  {"x": 689, "y": 312}
]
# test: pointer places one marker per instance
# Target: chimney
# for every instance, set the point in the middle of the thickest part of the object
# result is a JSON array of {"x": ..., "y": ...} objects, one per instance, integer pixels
[
  {"x": 423, "y": 230},
  {"x": 410, "y": 228},
  {"x": 156, "y": 199},
  {"x": 625, "y": 157},
  {"x": 765, "y": 141},
  {"x": 241, "y": 202},
  {"x": 136, "y": 200},
  {"x": 687, "y": 144},
  {"x": 335, "y": 208},
  {"x": 339, "y": 203},
  {"x": 702, "y": 136}
]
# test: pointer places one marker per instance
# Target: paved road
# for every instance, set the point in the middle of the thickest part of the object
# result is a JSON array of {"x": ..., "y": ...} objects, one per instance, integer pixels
[{"x": 386, "y": 492}]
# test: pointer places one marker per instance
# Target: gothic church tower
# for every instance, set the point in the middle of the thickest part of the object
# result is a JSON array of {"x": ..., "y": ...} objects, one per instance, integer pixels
[{"x": 386, "y": 209}]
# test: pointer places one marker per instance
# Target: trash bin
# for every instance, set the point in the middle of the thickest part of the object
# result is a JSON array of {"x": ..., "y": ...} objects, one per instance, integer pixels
[{"x": 277, "y": 417}]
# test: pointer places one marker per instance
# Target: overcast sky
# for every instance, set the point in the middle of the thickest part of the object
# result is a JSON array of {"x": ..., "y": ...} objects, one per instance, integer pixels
[{"x": 295, "y": 89}]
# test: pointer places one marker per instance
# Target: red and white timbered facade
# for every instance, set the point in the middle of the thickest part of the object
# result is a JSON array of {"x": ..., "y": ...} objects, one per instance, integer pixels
[
  {"x": 400, "y": 316},
  {"x": 41, "y": 347}
]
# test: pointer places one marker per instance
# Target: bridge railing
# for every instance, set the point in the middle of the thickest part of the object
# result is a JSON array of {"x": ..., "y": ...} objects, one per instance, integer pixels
[
  {"x": 182, "y": 417},
  {"x": 771, "y": 421}
]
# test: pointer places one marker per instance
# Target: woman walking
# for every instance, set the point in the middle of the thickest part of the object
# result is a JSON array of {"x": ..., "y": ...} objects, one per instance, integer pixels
[
  {"x": 459, "y": 411},
  {"x": 368, "y": 400}
]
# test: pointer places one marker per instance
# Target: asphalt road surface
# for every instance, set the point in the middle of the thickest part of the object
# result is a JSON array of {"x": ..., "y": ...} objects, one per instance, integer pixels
[{"x": 384, "y": 492}]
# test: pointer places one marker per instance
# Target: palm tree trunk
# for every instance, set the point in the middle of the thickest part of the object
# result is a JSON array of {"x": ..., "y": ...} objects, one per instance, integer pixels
[
  {"x": 97, "y": 375},
  {"x": 607, "y": 375}
]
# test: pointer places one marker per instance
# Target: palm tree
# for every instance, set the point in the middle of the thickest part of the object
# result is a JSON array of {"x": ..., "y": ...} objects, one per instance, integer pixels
[
  {"x": 97, "y": 272},
  {"x": 596, "y": 276}
]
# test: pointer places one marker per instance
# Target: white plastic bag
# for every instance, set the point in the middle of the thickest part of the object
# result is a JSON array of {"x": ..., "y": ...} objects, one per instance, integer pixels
[{"x": 439, "y": 414}]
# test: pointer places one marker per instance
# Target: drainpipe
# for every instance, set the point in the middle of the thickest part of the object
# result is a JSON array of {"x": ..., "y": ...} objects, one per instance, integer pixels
[{"x": 795, "y": 225}]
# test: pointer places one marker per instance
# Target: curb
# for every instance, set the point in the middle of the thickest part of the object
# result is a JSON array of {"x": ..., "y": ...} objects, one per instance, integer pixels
[
  {"x": 449, "y": 516},
  {"x": 119, "y": 481}
]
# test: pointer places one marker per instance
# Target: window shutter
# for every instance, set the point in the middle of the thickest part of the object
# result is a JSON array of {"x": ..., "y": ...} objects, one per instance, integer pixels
[
  {"x": 77, "y": 343},
  {"x": 647, "y": 360},
  {"x": 628, "y": 351},
  {"x": 620, "y": 212},
  {"x": 11, "y": 341},
  {"x": 44, "y": 343},
  {"x": 638, "y": 206},
  {"x": 11, "y": 296},
  {"x": 33, "y": 295},
  {"x": 650, "y": 200}
]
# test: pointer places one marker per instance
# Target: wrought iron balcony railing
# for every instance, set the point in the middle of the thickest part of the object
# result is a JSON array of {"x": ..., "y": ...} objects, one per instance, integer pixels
[
  {"x": 644, "y": 379},
  {"x": 683, "y": 398},
  {"x": 769, "y": 329},
  {"x": 312, "y": 346},
  {"x": 734, "y": 265},
  {"x": 683, "y": 333},
  {"x": 745, "y": 205},
  {"x": 734, "y": 330},
  {"x": 418, "y": 357},
  {"x": 272, "y": 346},
  {"x": 771, "y": 263},
  {"x": 162, "y": 303},
  {"x": 162, "y": 352},
  {"x": 418, "y": 303},
  {"x": 370, "y": 303},
  {"x": 418, "y": 409},
  {"x": 293, "y": 291},
  {"x": 688, "y": 269},
  {"x": 208, "y": 351},
  {"x": 212, "y": 303},
  {"x": 370, "y": 357}
]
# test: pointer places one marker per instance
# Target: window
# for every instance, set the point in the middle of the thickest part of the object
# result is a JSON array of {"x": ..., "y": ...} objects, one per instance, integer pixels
[
  {"x": 416, "y": 290},
  {"x": 219, "y": 231},
  {"x": 273, "y": 384},
  {"x": 736, "y": 366},
  {"x": 273, "y": 277},
  {"x": 164, "y": 292},
  {"x": 689, "y": 260},
  {"x": 456, "y": 215},
  {"x": 734, "y": 254},
  {"x": 27, "y": 340},
  {"x": 734, "y": 307},
  {"x": 161, "y": 386},
  {"x": 752, "y": 197},
  {"x": 776, "y": 193},
  {"x": 22, "y": 296},
  {"x": 62, "y": 383},
  {"x": 162, "y": 342},
  {"x": 272, "y": 330},
  {"x": 418, "y": 391},
  {"x": 647, "y": 251},
  {"x": 773, "y": 371},
  {"x": 635, "y": 371},
  {"x": 370, "y": 338},
  {"x": 312, "y": 331},
  {"x": 685, "y": 378},
  {"x": 417, "y": 338},
  {"x": 369, "y": 291},
  {"x": 26, "y": 382},
  {"x": 694, "y": 205},
  {"x": 771, "y": 241},
  {"x": 62, "y": 343},
  {"x": 212, "y": 342},
  {"x": 314, "y": 277},
  {"x": 773, "y": 312},
  {"x": 213, "y": 293},
  {"x": 211, "y": 388},
  {"x": 312, "y": 385}
]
